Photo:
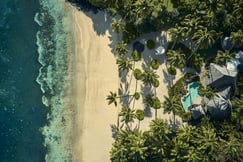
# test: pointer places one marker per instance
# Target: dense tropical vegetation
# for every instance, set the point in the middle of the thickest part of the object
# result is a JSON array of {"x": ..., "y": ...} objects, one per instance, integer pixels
[{"x": 196, "y": 29}]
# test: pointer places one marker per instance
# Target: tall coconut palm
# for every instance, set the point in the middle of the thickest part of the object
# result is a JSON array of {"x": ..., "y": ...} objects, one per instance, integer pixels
[
  {"x": 176, "y": 58},
  {"x": 205, "y": 38},
  {"x": 121, "y": 48},
  {"x": 127, "y": 116},
  {"x": 158, "y": 140},
  {"x": 172, "y": 104},
  {"x": 223, "y": 57},
  {"x": 208, "y": 142},
  {"x": 236, "y": 38},
  {"x": 149, "y": 76},
  {"x": 124, "y": 63},
  {"x": 112, "y": 98},
  {"x": 138, "y": 149},
  {"x": 232, "y": 149},
  {"x": 177, "y": 34},
  {"x": 117, "y": 25}
]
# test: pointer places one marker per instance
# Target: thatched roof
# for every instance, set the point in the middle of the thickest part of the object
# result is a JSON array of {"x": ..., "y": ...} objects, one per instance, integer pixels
[
  {"x": 221, "y": 77},
  {"x": 197, "y": 112},
  {"x": 219, "y": 108},
  {"x": 225, "y": 92}
]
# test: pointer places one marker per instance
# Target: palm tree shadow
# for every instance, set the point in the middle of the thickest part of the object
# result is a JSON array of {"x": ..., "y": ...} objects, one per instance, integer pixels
[
  {"x": 174, "y": 124},
  {"x": 114, "y": 131},
  {"x": 146, "y": 90},
  {"x": 124, "y": 93},
  {"x": 101, "y": 22},
  {"x": 167, "y": 79}
]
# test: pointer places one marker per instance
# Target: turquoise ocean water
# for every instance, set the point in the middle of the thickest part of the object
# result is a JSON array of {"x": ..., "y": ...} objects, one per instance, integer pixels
[{"x": 33, "y": 73}]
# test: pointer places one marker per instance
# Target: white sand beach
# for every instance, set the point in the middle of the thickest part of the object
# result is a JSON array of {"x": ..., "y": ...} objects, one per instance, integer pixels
[{"x": 97, "y": 74}]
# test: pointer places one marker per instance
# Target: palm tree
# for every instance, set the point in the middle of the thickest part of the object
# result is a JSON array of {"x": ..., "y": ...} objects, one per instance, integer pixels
[
  {"x": 127, "y": 115},
  {"x": 117, "y": 25},
  {"x": 156, "y": 105},
  {"x": 112, "y": 98},
  {"x": 176, "y": 58},
  {"x": 186, "y": 133},
  {"x": 204, "y": 38},
  {"x": 172, "y": 104},
  {"x": 177, "y": 34},
  {"x": 223, "y": 57},
  {"x": 158, "y": 140},
  {"x": 207, "y": 92},
  {"x": 138, "y": 150},
  {"x": 121, "y": 49},
  {"x": 208, "y": 142},
  {"x": 149, "y": 76},
  {"x": 236, "y": 38},
  {"x": 124, "y": 63},
  {"x": 232, "y": 149},
  {"x": 237, "y": 105},
  {"x": 148, "y": 100},
  {"x": 139, "y": 116}
]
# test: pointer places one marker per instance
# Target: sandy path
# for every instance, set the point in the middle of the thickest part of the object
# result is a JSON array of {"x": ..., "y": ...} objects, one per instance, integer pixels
[{"x": 97, "y": 74}]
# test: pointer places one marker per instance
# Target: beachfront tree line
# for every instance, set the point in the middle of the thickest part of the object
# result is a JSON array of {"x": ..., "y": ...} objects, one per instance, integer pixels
[{"x": 202, "y": 24}]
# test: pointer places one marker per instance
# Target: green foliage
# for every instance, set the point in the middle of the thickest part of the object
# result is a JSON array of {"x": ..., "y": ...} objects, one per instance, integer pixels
[
  {"x": 176, "y": 58},
  {"x": 117, "y": 25},
  {"x": 136, "y": 55},
  {"x": 236, "y": 38},
  {"x": 172, "y": 70},
  {"x": 206, "y": 91},
  {"x": 140, "y": 114},
  {"x": 149, "y": 76},
  {"x": 137, "y": 74},
  {"x": 155, "y": 64},
  {"x": 99, "y": 3},
  {"x": 150, "y": 44},
  {"x": 223, "y": 56},
  {"x": 156, "y": 83},
  {"x": 111, "y": 98},
  {"x": 136, "y": 95},
  {"x": 200, "y": 24},
  {"x": 124, "y": 63},
  {"x": 121, "y": 49},
  {"x": 178, "y": 89}
]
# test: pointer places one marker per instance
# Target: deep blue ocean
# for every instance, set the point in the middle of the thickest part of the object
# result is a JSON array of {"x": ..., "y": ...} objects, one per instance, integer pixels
[
  {"x": 34, "y": 53},
  {"x": 21, "y": 110}
]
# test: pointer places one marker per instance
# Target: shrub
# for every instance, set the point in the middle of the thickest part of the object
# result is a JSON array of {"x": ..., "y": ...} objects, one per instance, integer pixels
[
  {"x": 172, "y": 70},
  {"x": 150, "y": 44},
  {"x": 155, "y": 64},
  {"x": 137, "y": 74},
  {"x": 140, "y": 114},
  {"x": 156, "y": 83},
  {"x": 136, "y": 55},
  {"x": 136, "y": 95}
]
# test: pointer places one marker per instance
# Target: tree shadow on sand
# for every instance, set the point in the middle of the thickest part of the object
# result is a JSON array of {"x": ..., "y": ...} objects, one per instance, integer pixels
[
  {"x": 146, "y": 90},
  {"x": 101, "y": 22}
]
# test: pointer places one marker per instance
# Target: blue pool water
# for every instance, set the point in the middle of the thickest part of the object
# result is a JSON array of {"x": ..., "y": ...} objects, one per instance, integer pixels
[{"x": 193, "y": 95}]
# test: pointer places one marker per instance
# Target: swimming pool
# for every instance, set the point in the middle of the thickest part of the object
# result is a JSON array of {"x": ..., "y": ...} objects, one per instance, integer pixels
[{"x": 192, "y": 95}]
